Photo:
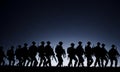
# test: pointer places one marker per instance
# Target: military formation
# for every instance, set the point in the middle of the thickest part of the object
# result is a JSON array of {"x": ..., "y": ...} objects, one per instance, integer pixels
[{"x": 97, "y": 55}]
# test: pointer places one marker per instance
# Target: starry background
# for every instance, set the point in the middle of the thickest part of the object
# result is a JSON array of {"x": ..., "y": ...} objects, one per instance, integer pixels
[{"x": 24, "y": 21}]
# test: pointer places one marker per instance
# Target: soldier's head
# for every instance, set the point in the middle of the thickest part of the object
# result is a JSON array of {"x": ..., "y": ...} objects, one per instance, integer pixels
[
  {"x": 88, "y": 42},
  {"x": 25, "y": 44},
  {"x": 48, "y": 42},
  {"x": 12, "y": 47},
  {"x": 103, "y": 45},
  {"x": 33, "y": 43},
  {"x": 19, "y": 46},
  {"x": 79, "y": 42},
  {"x": 98, "y": 43},
  {"x": 60, "y": 43},
  {"x": 113, "y": 46},
  {"x": 42, "y": 42},
  {"x": 72, "y": 44}
]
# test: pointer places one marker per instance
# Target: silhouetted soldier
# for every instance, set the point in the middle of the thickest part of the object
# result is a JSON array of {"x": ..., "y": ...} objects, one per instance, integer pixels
[
  {"x": 97, "y": 53},
  {"x": 10, "y": 54},
  {"x": 80, "y": 52},
  {"x": 59, "y": 53},
  {"x": 32, "y": 54},
  {"x": 88, "y": 54},
  {"x": 113, "y": 54},
  {"x": 49, "y": 53},
  {"x": 18, "y": 53},
  {"x": 25, "y": 55},
  {"x": 104, "y": 56},
  {"x": 41, "y": 50},
  {"x": 2, "y": 56},
  {"x": 72, "y": 55}
]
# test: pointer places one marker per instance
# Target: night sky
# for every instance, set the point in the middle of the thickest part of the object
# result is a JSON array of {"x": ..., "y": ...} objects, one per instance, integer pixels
[{"x": 68, "y": 21}]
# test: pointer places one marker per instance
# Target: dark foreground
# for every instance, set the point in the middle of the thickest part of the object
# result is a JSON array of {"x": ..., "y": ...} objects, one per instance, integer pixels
[{"x": 58, "y": 69}]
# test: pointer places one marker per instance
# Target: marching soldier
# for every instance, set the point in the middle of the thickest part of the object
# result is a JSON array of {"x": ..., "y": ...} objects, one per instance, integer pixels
[
  {"x": 41, "y": 50},
  {"x": 32, "y": 54},
  {"x": 72, "y": 55},
  {"x": 104, "y": 56},
  {"x": 49, "y": 53},
  {"x": 59, "y": 53},
  {"x": 97, "y": 53},
  {"x": 113, "y": 54},
  {"x": 10, "y": 54},
  {"x": 80, "y": 52},
  {"x": 25, "y": 55},
  {"x": 18, "y": 54},
  {"x": 88, "y": 54}
]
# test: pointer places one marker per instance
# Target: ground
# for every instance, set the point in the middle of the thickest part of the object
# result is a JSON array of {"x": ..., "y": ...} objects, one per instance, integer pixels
[{"x": 58, "y": 69}]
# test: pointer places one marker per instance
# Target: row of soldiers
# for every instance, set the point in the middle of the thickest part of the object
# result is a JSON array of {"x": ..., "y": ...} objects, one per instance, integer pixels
[{"x": 27, "y": 56}]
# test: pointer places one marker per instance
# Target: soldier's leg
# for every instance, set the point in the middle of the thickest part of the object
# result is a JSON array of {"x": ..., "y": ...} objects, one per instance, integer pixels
[
  {"x": 35, "y": 61},
  {"x": 116, "y": 62},
  {"x": 106, "y": 61},
  {"x": 111, "y": 60},
  {"x": 61, "y": 61},
  {"x": 70, "y": 62},
  {"x": 9, "y": 62},
  {"x": 87, "y": 62},
  {"x": 99, "y": 64},
  {"x": 41, "y": 61},
  {"x": 49, "y": 61},
  {"x": 44, "y": 61},
  {"x": 79, "y": 61},
  {"x": 91, "y": 61},
  {"x": 82, "y": 62},
  {"x": 75, "y": 61},
  {"x": 13, "y": 62},
  {"x": 3, "y": 62},
  {"x": 102, "y": 62},
  {"x": 96, "y": 61},
  {"x": 28, "y": 61},
  {"x": 58, "y": 60},
  {"x": 31, "y": 62}
]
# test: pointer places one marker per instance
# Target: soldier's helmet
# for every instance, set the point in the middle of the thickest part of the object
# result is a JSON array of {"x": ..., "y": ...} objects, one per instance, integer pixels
[
  {"x": 88, "y": 42},
  {"x": 12, "y": 47},
  {"x": 48, "y": 42},
  {"x": 60, "y": 42},
  {"x": 98, "y": 43},
  {"x": 72, "y": 44},
  {"x": 79, "y": 42},
  {"x": 103, "y": 44},
  {"x": 25, "y": 44},
  {"x": 42, "y": 42},
  {"x": 19, "y": 46},
  {"x": 113, "y": 46},
  {"x": 33, "y": 42}
]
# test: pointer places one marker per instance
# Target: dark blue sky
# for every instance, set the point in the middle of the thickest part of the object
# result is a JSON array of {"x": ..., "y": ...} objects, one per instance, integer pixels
[{"x": 68, "y": 21}]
